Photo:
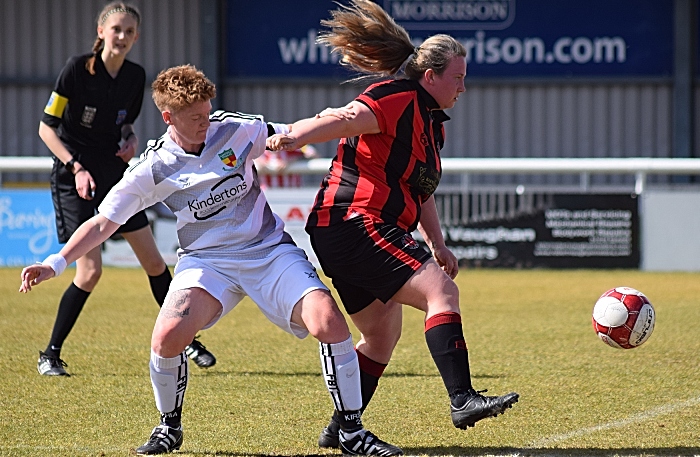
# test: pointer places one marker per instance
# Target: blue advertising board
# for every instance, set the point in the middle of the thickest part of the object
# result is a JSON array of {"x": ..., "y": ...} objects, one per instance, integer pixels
[
  {"x": 27, "y": 227},
  {"x": 504, "y": 38}
]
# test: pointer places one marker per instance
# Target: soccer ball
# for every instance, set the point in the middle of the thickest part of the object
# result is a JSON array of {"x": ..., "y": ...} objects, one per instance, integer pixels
[{"x": 623, "y": 318}]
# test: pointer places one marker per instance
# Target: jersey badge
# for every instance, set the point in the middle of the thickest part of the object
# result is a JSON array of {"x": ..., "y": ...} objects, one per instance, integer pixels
[
  {"x": 228, "y": 157},
  {"x": 89, "y": 113},
  {"x": 121, "y": 115},
  {"x": 428, "y": 180},
  {"x": 424, "y": 139}
]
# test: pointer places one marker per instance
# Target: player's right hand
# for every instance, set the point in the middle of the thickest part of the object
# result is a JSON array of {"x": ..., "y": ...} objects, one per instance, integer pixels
[
  {"x": 280, "y": 141},
  {"x": 85, "y": 184},
  {"x": 33, "y": 275}
]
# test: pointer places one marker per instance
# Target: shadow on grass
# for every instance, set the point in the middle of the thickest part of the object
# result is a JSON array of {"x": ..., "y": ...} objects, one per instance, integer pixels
[
  {"x": 185, "y": 453},
  {"x": 498, "y": 451},
  {"x": 224, "y": 372},
  {"x": 553, "y": 452}
]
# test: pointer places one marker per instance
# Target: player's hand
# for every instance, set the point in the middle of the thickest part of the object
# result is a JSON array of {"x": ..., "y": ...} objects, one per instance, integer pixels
[
  {"x": 128, "y": 149},
  {"x": 85, "y": 184},
  {"x": 280, "y": 141},
  {"x": 344, "y": 114},
  {"x": 447, "y": 261},
  {"x": 33, "y": 275}
]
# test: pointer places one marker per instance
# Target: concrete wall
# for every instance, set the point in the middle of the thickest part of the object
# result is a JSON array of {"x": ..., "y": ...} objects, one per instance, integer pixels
[{"x": 670, "y": 223}]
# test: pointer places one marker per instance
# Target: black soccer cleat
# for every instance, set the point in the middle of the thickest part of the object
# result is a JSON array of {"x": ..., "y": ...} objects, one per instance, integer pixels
[
  {"x": 329, "y": 436},
  {"x": 365, "y": 442},
  {"x": 164, "y": 439},
  {"x": 50, "y": 365},
  {"x": 472, "y": 407},
  {"x": 199, "y": 354}
]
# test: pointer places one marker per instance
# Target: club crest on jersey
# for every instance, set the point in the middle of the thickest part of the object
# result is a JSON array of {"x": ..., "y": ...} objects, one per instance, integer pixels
[
  {"x": 428, "y": 180},
  {"x": 228, "y": 157},
  {"x": 89, "y": 113},
  {"x": 409, "y": 242}
]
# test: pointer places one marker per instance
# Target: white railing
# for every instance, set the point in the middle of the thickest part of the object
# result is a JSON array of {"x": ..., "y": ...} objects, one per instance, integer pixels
[{"x": 640, "y": 167}]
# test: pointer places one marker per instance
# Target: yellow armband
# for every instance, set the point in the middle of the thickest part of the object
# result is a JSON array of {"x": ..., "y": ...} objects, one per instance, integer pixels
[{"x": 56, "y": 105}]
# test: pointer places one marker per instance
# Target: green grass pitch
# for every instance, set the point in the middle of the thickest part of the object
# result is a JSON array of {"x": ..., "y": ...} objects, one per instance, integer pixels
[{"x": 528, "y": 331}]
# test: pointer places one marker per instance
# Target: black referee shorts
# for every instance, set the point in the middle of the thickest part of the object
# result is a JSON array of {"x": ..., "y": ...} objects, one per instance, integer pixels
[
  {"x": 72, "y": 210},
  {"x": 366, "y": 260}
]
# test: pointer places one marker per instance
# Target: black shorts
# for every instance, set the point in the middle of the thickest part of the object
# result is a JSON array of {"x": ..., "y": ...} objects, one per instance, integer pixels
[
  {"x": 72, "y": 210},
  {"x": 366, "y": 260}
]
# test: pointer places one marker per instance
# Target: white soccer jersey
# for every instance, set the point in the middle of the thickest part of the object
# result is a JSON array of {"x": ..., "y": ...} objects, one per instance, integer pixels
[{"x": 216, "y": 196}]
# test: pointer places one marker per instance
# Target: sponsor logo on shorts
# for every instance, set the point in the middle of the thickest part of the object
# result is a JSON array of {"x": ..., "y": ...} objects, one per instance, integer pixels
[{"x": 409, "y": 242}]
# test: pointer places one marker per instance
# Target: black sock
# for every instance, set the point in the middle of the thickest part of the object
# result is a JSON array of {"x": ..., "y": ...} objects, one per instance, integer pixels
[
  {"x": 443, "y": 333},
  {"x": 173, "y": 418},
  {"x": 159, "y": 285},
  {"x": 370, "y": 372},
  {"x": 69, "y": 309},
  {"x": 350, "y": 421}
]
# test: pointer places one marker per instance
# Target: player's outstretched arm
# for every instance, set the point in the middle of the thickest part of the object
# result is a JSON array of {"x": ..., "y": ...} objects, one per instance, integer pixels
[
  {"x": 89, "y": 235},
  {"x": 357, "y": 119},
  {"x": 347, "y": 112}
]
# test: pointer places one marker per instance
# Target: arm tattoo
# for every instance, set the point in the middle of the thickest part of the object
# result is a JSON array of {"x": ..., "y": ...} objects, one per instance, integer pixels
[{"x": 177, "y": 307}]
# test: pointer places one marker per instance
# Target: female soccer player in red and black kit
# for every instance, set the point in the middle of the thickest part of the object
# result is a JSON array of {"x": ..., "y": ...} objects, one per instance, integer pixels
[{"x": 380, "y": 189}]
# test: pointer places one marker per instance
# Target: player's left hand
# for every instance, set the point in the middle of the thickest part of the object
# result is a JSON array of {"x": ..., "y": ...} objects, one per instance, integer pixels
[
  {"x": 128, "y": 149},
  {"x": 447, "y": 261},
  {"x": 33, "y": 275},
  {"x": 345, "y": 113}
]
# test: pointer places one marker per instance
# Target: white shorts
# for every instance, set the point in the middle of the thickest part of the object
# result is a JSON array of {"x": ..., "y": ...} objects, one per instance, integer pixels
[{"x": 275, "y": 283}]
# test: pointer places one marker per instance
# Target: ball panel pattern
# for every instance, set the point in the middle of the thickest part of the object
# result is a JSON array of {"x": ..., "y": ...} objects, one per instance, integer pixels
[{"x": 623, "y": 318}]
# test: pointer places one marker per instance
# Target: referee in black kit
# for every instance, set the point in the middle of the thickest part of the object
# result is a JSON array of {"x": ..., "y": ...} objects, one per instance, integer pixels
[{"x": 91, "y": 111}]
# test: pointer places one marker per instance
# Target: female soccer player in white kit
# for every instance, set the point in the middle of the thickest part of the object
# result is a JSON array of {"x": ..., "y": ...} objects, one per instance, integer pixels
[{"x": 231, "y": 245}]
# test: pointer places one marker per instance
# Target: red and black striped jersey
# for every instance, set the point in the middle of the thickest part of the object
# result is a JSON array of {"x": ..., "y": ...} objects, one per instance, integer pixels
[{"x": 387, "y": 175}]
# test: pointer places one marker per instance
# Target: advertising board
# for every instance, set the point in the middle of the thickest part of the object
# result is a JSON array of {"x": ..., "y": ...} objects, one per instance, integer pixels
[
  {"x": 27, "y": 227},
  {"x": 557, "y": 231},
  {"x": 503, "y": 38}
]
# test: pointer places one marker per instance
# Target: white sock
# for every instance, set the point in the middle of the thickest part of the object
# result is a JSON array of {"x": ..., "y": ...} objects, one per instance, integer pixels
[
  {"x": 341, "y": 371},
  {"x": 169, "y": 381}
]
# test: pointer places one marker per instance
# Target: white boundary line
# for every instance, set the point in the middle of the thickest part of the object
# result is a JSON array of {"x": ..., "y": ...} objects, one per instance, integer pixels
[{"x": 640, "y": 417}]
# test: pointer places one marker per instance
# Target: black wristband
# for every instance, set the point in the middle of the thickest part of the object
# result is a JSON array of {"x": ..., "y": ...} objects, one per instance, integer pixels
[
  {"x": 129, "y": 135},
  {"x": 69, "y": 165}
]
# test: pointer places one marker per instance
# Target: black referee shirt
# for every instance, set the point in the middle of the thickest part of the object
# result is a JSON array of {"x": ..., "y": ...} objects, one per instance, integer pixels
[{"x": 97, "y": 108}]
